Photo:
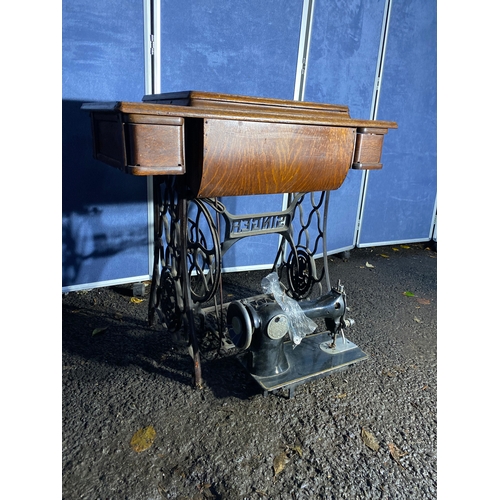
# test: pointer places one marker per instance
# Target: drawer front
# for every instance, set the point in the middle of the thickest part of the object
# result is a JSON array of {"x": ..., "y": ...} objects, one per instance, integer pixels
[
  {"x": 368, "y": 149},
  {"x": 244, "y": 157},
  {"x": 140, "y": 145},
  {"x": 155, "y": 149}
]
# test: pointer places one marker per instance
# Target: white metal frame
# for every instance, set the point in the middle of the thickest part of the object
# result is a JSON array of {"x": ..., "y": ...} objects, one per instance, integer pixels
[
  {"x": 152, "y": 85},
  {"x": 303, "y": 52}
]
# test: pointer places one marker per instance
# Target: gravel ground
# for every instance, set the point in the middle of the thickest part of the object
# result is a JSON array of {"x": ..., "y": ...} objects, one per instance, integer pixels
[{"x": 228, "y": 441}]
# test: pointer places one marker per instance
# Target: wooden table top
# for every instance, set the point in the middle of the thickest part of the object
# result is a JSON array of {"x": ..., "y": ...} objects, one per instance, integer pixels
[{"x": 229, "y": 145}]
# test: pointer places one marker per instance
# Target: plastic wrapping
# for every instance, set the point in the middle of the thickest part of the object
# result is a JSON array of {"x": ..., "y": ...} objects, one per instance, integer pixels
[{"x": 300, "y": 324}]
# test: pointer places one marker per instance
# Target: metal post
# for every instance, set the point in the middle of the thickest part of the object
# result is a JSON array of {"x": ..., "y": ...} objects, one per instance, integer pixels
[{"x": 152, "y": 84}]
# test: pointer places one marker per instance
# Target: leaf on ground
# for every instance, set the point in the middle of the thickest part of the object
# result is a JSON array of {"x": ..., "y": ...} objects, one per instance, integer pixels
[
  {"x": 298, "y": 449},
  {"x": 279, "y": 463},
  {"x": 136, "y": 300},
  {"x": 97, "y": 331},
  {"x": 396, "y": 249},
  {"x": 425, "y": 302},
  {"x": 416, "y": 319},
  {"x": 341, "y": 396},
  {"x": 384, "y": 256},
  {"x": 205, "y": 486},
  {"x": 369, "y": 265},
  {"x": 405, "y": 246},
  {"x": 396, "y": 453},
  {"x": 369, "y": 439},
  {"x": 143, "y": 439},
  {"x": 409, "y": 294}
]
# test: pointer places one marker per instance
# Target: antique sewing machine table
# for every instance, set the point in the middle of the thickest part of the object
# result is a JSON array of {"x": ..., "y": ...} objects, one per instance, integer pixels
[{"x": 202, "y": 146}]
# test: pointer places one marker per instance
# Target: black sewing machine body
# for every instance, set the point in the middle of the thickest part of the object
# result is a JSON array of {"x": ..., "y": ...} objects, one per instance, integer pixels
[{"x": 260, "y": 328}]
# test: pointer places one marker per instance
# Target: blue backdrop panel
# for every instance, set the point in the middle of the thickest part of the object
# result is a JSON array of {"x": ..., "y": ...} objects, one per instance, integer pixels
[
  {"x": 104, "y": 212},
  {"x": 247, "y": 48},
  {"x": 342, "y": 69},
  {"x": 400, "y": 199}
]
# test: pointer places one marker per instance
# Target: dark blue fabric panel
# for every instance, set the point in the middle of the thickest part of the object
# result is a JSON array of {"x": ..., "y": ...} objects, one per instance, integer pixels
[
  {"x": 400, "y": 198},
  {"x": 342, "y": 69},
  {"x": 246, "y": 48},
  {"x": 102, "y": 50},
  {"x": 104, "y": 212},
  {"x": 343, "y": 54}
]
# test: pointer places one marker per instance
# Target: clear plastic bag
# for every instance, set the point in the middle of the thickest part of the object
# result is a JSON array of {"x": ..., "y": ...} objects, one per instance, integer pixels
[{"x": 300, "y": 324}]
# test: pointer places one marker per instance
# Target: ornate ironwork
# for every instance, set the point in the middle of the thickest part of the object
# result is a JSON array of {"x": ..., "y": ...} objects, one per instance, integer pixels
[
  {"x": 188, "y": 253},
  {"x": 299, "y": 267},
  {"x": 166, "y": 296},
  {"x": 203, "y": 256}
]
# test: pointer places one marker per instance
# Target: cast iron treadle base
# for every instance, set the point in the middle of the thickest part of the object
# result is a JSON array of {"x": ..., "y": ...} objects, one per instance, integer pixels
[{"x": 309, "y": 361}]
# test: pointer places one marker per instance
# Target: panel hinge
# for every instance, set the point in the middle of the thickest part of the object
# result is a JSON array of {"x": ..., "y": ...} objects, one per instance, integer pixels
[
  {"x": 303, "y": 69},
  {"x": 151, "y": 45}
]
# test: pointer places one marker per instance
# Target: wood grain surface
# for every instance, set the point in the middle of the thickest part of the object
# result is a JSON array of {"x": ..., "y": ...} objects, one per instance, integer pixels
[
  {"x": 230, "y": 145},
  {"x": 243, "y": 158}
]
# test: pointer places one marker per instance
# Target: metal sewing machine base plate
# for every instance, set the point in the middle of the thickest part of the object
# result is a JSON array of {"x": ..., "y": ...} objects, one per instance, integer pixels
[{"x": 310, "y": 360}]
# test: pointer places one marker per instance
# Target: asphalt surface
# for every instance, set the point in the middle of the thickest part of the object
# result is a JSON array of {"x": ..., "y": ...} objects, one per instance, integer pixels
[{"x": 135, "y": 428}]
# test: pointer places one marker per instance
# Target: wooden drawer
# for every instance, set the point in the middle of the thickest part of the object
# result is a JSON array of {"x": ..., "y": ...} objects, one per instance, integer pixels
[
  {"x": 368, "y": 150},
  {"x": 140, "y": 145}
]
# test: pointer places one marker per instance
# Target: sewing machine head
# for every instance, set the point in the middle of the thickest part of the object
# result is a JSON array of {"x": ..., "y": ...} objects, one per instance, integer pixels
[{"x": 261, "y": 327}]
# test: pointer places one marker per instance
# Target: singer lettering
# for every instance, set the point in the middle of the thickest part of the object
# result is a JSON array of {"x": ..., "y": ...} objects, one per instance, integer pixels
[{"x": 264, "y": 223}]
